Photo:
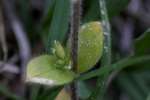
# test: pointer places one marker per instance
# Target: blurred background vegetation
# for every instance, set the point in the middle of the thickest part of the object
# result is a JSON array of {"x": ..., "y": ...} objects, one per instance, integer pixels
[{"x": 28, "y": 27}]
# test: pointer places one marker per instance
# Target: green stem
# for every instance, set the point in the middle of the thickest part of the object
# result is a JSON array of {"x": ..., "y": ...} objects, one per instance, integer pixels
[
  {"x": 120, "y": 65},
  {"x": 106, "y": 59}
]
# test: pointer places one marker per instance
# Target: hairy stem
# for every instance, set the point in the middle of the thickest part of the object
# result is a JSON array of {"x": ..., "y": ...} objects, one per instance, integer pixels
[
  {"x": 99, "y": 92},
  {"x": 75, "y": 24}
]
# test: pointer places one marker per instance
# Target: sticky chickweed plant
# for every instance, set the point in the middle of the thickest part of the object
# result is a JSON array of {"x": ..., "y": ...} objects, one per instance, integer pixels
[
  {"x": 84, "y": 55},
  {"x": 85, "y": 46}
]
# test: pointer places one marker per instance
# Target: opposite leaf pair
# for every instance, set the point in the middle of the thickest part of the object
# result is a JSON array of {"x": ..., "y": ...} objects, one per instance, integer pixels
[{"x": 56, "y": 69}]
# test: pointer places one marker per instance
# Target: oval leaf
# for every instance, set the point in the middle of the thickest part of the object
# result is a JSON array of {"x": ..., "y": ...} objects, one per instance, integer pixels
[{"x": 44, "y": 70}]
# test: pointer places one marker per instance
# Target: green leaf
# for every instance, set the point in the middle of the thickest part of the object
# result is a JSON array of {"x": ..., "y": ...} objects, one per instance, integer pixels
[
  {"x": 44, "y": 70},
  {"x": 83, "y": 90},
  {"x": 25, "y": 16},
  {"x": 42, "y": 92},
  {"x": 34, "y": 91},
  {"x": 129, "y": 86},
  {"x": 142, "y": 46},
  {"x": 91, "y": 12},
  {"x": 59, "y": 24},
  {"x": 136, "y": 85},
  {"x": 49, "y": 94},
  {"x": 141, "y": 83},
  {"x": 48, "y": 14},
  {"x": 90, "y": 43}
]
